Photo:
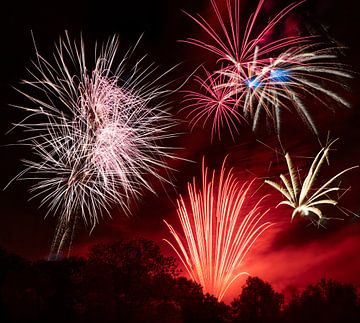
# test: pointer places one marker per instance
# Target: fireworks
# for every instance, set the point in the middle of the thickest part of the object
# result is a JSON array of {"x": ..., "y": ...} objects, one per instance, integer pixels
[
  {"x": 216, "y": 105},
  {"x": 96, "y": 133},
  {"x": 304, "y": 198},
  {"x": 259, "y": 74},
  {"x": 275, "y": 84},
  {"x": 219, "y": 229}
]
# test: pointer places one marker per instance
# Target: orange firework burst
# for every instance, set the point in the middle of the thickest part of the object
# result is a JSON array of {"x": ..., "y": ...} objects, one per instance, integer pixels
[{"x": 219, "y": 229}]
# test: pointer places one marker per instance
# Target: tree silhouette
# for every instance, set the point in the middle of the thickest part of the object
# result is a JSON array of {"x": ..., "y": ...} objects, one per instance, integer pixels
[
  {"x": 138, "y": 257},
  {"x": 132, "y": 281},
  {"x": 257, "y": 303},
  {"x": 327, "y": 301},
  {"x": 40, "y": 291}
]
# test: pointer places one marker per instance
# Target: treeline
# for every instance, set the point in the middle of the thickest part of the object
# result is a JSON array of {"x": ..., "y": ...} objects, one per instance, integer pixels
[{"x": 134, "y": 282}]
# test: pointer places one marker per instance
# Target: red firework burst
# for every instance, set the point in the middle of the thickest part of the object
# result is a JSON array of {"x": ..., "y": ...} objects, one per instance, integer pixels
[{"x": 218, "y": 228}]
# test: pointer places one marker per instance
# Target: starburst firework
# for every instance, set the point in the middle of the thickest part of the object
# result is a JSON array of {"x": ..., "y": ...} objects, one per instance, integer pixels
[
  {"x": 216, "y": 106},
  {"x": 304, "y": 198},
  {"x": 219, "y": 229},
  {"x": 277, "y": 83},
  {"x": 96, "y": 133},
  {"x": 265, "y": 75}
]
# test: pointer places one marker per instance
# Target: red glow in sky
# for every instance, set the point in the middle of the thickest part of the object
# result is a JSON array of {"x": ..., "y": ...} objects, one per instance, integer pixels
[{"x": 289, "y": 255}]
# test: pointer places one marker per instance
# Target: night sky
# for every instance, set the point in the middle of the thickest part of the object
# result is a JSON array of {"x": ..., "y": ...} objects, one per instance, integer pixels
[{"x": 290, "y": 254}]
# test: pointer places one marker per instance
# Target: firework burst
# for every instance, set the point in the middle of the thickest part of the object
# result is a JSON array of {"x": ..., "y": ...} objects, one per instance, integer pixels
[
  {"x": 216, "y": 106},
  {"x": 218, "y": 228},
  {"x": 265, "y": 75},
  {"x": 304, "y": 198},
  {"x": 276, "y": 84},
  {"x": 96, "y": 133}
]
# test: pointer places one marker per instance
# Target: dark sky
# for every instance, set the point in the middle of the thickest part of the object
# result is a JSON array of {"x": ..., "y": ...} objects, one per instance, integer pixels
[{"x": 291, "y": 254}]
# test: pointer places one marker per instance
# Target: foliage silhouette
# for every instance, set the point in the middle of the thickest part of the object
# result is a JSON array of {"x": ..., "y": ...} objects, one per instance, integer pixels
[
  {"x": 132, "y": 281},
  {"x": 257, "y": 303},
  {"x": 327, "y": 301}
]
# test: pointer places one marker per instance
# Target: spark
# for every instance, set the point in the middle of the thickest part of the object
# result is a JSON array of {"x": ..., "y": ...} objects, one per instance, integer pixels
[
  {"x": 253, "y": 82},
  {"x": 231, "y": 45},
  {"x": 216, "y": 106},
  {"x": 219, "y": 229},
  {"x": 304, "y": 198},
  {"x": 96, "y": 133},
  {"x": 279, "y": 75}
]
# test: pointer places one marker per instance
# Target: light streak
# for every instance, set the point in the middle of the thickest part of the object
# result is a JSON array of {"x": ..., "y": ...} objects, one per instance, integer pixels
[
  {"x": 303, "y": 196},
  {"x": 219, "y": 229}
]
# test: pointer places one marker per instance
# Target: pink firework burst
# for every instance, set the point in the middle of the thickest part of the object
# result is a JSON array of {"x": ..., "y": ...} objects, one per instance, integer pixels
[
  {"x": 261, "y": 74},
  {"x": 216, "y": 105},
  {"x": 237, "y": 47}
]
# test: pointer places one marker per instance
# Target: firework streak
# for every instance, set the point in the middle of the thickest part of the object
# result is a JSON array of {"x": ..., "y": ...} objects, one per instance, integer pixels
[
  {"x": 257, "y": 74},
  {"x": 96, "y": 134},
  {"x": 218, "y": 228},
  {"x": 304, "y": 198}
]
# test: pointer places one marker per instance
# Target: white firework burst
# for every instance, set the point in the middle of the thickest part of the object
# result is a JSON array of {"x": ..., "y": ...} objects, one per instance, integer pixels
[
  {"x": 305, "y": 198},
  {"x": 97, "y": 132},
  {"x": 275, "y": 84}
]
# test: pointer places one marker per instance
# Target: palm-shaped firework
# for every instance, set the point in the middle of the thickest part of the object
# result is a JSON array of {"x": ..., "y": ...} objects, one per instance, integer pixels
[
  {"x": 305, "y": 198},
  {"x": 96, "y": 133},
  {"x": 261, "y": 74},
  {"x": 219, "y": 229}
]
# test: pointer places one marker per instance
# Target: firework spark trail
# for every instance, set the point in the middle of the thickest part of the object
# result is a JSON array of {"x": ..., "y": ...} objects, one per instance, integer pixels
[
  {"x": 262, "y": 74},
  {"x": 304, "y": 198},
  {"x": 231, "y": 45},
  {"x": 96, "y": 134},
  {"x": 280, "y": 82},
  {"x": 216, "y": 105},
  {"x": 218, "y": 230}
]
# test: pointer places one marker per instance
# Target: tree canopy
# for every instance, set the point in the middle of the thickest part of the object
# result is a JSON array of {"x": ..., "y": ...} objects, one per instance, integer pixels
[{"x": 132, "y": 281}]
